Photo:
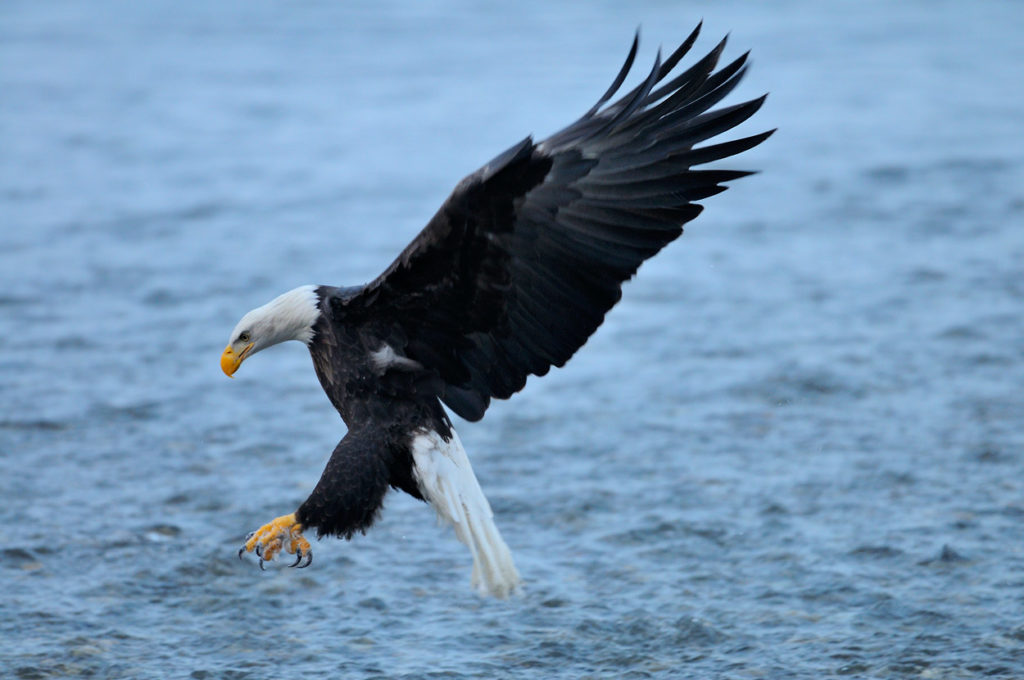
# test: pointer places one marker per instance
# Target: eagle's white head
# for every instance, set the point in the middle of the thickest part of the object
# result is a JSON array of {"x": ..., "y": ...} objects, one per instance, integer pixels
[{"x": 287, "y": 317}]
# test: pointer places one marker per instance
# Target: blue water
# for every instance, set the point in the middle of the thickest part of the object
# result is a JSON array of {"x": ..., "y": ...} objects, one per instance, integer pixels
[{"x": 794, "y": 450}]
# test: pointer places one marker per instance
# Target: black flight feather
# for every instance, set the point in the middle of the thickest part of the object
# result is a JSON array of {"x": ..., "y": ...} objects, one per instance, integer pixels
[{"x": 524, "y": 259}]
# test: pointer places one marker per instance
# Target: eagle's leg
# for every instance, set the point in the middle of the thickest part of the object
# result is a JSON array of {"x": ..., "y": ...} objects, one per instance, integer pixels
[{"x": 283, "y": 533}]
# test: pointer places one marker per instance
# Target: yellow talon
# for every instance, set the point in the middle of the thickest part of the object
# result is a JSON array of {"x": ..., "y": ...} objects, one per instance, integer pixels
[{"x": 283, "y": 533}]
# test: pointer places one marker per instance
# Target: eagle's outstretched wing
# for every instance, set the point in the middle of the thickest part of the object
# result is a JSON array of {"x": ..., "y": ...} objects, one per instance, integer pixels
[{"x": 521, "y": 263}]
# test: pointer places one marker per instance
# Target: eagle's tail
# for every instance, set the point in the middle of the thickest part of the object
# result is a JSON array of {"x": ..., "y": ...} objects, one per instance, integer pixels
[{"x": 446, "y": 479}]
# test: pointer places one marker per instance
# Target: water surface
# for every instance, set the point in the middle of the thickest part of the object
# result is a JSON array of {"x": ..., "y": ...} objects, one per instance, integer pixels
[{"x": 794, "y": 450}]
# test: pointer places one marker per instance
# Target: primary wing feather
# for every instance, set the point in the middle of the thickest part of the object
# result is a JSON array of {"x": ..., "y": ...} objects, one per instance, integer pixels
[{"x": 521, "y": 263}]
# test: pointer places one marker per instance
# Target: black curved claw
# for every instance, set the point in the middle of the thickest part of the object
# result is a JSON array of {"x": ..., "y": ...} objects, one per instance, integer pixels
[
  {"x": 261, "y": 565},
  {"x": 259, "y": 551},
  {"x": 309, "y": 560},
  {"x": 298, "y": 558},
  {"x": 241, "y": 551}
]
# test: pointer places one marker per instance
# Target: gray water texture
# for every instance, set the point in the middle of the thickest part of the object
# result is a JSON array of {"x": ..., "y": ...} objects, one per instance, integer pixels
[{"x": 794, "y": 450}]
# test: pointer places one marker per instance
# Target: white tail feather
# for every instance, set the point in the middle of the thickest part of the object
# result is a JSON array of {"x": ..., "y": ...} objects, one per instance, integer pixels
[{"x": 446, "y": 479}]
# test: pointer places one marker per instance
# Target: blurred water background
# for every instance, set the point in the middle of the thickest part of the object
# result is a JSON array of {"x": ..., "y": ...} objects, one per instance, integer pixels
[{"x": 794, "y": 450}]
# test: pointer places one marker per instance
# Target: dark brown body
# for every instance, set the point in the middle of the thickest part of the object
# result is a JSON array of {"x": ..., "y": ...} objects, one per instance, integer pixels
[{"x": 513, "y": 274}]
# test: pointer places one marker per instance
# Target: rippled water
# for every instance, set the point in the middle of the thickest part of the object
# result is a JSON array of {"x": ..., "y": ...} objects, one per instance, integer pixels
[{"x": 794, "y": 450}]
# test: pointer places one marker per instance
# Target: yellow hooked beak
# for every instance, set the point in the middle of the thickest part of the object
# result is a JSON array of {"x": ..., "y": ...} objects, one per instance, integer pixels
[{"x": 229, "y": 361}]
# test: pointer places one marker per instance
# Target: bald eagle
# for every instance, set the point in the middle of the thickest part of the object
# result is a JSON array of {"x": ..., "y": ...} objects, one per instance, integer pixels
[{"x": 510, "y": 277}]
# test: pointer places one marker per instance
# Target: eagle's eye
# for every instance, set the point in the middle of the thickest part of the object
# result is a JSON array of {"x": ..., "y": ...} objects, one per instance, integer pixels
[{"x": 243, "y": 336}]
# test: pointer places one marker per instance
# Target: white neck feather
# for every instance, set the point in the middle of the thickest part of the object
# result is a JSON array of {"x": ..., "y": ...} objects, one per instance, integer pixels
[{"x": 287, "y": 317}]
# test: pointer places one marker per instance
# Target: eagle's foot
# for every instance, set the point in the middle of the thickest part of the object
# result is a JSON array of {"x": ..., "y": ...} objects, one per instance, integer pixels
[{"x": 284, "y": 533}]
